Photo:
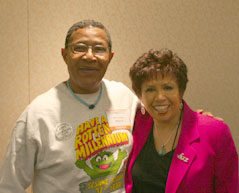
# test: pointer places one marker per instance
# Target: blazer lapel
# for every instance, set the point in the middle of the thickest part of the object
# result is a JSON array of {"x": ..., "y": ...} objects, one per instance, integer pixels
[
  {"x": 184, "y": 154},
  {"x": 180, "y": 164}
]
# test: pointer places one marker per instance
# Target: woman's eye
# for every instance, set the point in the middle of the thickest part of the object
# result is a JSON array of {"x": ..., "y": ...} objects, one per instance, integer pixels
[
  {"x": 149, "y": 89},
  {"x": 168, "y": 87}
]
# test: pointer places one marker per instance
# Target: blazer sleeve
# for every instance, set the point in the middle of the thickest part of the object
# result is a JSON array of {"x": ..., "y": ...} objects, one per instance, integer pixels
[{"x": 226, "y": 163}]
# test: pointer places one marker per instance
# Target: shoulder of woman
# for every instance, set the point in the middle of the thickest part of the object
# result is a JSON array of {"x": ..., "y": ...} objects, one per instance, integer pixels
[{"x": 213, "y": 127}]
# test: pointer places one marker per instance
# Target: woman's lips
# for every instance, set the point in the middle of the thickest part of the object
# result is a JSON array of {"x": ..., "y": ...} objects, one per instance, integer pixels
[{"x": 161, "y": 108}]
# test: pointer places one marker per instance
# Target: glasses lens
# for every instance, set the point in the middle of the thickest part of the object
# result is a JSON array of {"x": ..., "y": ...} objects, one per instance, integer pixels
[
  {"x": 82, "y": 49},
  {"x": 79, "y": 48},
  {"x": 98, "y": 49}
]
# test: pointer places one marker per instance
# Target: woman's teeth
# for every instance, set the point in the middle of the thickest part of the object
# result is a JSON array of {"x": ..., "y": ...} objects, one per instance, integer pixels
[{"x": 161, "y": 108}]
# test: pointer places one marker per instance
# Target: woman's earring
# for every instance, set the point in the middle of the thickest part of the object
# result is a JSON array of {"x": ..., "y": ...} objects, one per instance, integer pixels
[
  {"x": 142, "y": 109},
  {"x": 181, "y": 105}
]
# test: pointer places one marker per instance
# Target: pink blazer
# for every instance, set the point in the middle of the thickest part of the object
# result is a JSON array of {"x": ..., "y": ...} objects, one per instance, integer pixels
[{"x": 205, "y": 158}]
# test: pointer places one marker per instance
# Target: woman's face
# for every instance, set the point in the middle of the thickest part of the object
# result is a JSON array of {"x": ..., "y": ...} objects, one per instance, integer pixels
[{"x": 161, "y": 98}]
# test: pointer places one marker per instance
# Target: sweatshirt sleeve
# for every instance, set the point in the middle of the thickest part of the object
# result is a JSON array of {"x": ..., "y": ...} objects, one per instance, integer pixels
[{"x": 17, "y": 169}]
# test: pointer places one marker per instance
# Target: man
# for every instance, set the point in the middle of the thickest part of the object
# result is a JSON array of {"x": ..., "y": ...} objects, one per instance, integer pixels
[{"x": 76, "y": 137}]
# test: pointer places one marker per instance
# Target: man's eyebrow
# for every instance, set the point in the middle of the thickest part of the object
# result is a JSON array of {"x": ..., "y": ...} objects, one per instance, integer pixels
[{"x": 83, "y": 42}]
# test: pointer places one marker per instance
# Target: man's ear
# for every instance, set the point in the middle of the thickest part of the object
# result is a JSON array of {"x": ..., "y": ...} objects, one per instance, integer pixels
[
  {"x": 111, "y": 55},
  {"x": 64, "y": 53}
]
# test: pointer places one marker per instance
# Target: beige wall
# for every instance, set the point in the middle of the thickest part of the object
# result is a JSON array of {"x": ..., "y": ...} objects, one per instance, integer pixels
[{"x": 203, "y": 33}]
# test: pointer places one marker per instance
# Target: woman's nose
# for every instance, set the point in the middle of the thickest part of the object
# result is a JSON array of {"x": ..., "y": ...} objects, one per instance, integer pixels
[{"x": 160, "y": 95}]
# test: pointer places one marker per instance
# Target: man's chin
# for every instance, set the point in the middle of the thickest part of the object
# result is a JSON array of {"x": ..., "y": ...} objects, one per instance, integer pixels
[{"x": 88, "y": 87}]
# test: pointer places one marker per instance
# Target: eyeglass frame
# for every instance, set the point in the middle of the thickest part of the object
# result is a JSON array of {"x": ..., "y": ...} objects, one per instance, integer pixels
[{"x": 87, "y": 46}]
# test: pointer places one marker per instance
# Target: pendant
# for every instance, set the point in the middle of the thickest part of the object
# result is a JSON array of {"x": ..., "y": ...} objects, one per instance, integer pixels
[
  {"x": 161, "y": 151},
  {"x": 91, "y": 106}
]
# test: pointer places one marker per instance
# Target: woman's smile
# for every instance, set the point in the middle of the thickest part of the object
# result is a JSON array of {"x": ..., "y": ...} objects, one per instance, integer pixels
[{"x": 161, "y": 108}]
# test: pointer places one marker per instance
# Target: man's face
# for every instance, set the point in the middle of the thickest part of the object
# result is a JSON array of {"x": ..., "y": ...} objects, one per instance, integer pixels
[{"x": 87, "y": 57}]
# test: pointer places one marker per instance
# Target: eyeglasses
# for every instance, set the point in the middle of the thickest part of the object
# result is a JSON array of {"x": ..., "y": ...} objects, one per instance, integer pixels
[{"x": 83, "y": 49}]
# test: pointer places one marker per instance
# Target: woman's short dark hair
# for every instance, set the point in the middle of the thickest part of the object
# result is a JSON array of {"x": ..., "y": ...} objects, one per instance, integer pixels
[
  {"x": 84, "y": 24},
  {"x": 154, "y": 62}
]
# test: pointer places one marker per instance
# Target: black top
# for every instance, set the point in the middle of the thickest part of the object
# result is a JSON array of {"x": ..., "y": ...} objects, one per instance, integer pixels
[{"x": 150, "y": 170}]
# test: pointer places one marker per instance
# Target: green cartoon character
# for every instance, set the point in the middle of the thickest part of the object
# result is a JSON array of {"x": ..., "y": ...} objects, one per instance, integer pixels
[{"x": 103, "y": 164}]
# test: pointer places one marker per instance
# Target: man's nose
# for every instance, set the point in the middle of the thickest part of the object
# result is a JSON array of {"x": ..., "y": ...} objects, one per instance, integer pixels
[{"x": 89, "y": 54}]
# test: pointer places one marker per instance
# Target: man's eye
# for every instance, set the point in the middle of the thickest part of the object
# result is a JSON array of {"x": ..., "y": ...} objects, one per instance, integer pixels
[
  {"x": 99, "y": 49},
  {"x": 80, "y": 48}
]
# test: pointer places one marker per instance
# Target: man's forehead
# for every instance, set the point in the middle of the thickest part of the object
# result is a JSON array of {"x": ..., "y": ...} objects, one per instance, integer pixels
[{"x": 90, "y": 33}]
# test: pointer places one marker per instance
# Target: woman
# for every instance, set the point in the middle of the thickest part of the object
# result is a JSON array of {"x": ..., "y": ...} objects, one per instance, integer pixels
[{"x": 175, "y": 149}]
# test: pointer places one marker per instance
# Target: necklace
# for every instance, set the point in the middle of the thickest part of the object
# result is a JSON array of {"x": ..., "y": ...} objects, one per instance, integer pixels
[
  {"x": 90, "y": 106},
  {"x": 162, "y": 149}
]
